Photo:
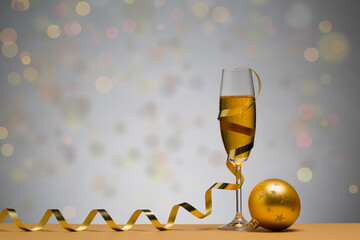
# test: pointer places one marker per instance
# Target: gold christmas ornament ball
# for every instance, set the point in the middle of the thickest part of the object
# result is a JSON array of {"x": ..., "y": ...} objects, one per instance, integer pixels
[{"x": 273, "y": 204}]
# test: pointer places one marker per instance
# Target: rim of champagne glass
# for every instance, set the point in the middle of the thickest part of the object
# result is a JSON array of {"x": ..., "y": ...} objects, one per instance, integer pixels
[{"x": 236, "y": 69}]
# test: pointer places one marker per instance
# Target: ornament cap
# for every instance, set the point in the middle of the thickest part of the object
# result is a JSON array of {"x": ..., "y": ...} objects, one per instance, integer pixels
[{"x": 254, "y": 224}]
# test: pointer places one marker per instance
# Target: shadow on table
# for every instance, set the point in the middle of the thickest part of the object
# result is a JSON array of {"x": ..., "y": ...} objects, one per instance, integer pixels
[
  {"x": 262, "y": 230},
  {"x": 182, "y": 229}
]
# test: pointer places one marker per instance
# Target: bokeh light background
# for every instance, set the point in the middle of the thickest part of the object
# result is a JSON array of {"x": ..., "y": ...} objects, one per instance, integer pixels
[{"x": 113, "y": 104}]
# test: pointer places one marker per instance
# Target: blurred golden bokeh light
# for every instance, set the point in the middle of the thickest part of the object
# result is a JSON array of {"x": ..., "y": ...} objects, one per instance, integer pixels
[
  {"x": 25, "y": 57},
  {"x": 20, "y": 5},
  {"x": 306, "y": 112},
  {"x": 177, "y": 14},
  {"x": 3, "y": 133},
  {"x": 311, "y": 54},
  {"x": 83, "y": 8},
  {"x": 304, "y": 174},
  {"x": 158, "y": 3},
  {"x": 18, "y": 175},
  {"x": 325, "y": 26},
  {"x": 325, "y": 78},
  {"x": 201, "y": 9},
  {"x": 304, "y": 140},
  {"x": 30, "y": 74},
  {"x": 14, "y": 78},
  {"x": 53, "y": 31},
  {"x": 310, "y": 87},
  {"x": 112, "y": 32},
  {"x": 333, "y": 47},
  {"x": 7, "y": 150},
  {"x": 103, "y": 84},
  {"x": 62, "y": 9},
  {"x": 72, "y": 28},
  {"x": 220, "y": 14},
  {"x": 129, "y": 26},
  {"x": 9, "y": 49},
  {"x": 324, "y": 123},
  {"x": 8, "y": 35},
  {"x": 353, "y": 189}
]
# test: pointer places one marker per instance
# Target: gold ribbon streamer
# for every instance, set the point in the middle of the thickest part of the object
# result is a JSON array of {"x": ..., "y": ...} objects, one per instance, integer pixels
[
  {"x": 150, "y": 215},
  {"x": 238, "y": 128},
  {"x": 110, "y": 222},
  {"x": 230, "y": 112}
]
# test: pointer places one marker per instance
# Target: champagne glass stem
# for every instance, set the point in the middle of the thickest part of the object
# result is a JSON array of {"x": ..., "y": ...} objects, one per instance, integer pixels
[{"x": 238, "y": 193}]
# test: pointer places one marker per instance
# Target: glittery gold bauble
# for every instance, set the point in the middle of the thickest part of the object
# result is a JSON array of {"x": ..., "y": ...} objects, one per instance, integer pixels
[{"x": 273, "y": 204}]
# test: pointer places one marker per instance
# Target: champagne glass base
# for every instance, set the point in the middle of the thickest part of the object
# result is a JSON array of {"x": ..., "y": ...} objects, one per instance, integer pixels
[{"x": 238, "y": 224}]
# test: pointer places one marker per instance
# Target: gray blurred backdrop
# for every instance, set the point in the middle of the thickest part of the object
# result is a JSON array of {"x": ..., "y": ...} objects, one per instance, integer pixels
[{"x": 113, "y": 104}]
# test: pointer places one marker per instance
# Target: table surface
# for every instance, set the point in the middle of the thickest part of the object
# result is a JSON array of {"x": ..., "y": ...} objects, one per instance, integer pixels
[{"x": 328, "y": 231}]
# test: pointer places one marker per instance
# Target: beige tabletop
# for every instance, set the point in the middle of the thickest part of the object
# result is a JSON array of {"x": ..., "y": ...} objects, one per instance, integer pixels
[{"x": 328, "y": 231}]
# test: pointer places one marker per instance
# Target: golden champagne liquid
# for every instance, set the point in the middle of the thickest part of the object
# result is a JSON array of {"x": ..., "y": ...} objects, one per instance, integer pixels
[{"x": 247, "y": 118}]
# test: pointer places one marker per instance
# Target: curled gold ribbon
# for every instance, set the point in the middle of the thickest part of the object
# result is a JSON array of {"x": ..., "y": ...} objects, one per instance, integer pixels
[
  {"x": 110, "y": 222},
  {"x": 150, "y": 215}
]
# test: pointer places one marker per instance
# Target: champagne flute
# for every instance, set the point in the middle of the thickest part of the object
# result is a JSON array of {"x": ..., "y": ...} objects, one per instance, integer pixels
[{"x": 237, "y": 123}]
